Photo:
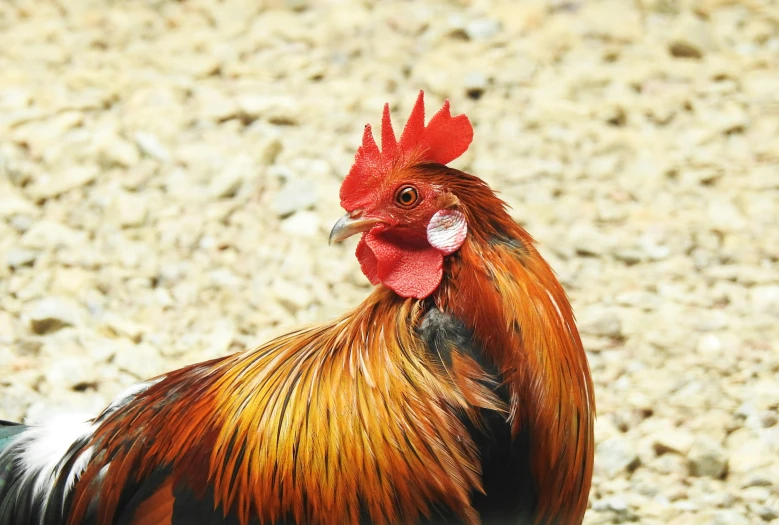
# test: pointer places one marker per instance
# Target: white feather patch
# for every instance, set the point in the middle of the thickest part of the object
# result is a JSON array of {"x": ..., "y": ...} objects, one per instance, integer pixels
[
  {"x": 43, "y": 447},
  {"x": 447, "y": 231},
  {"x": 79, "y": 466}
]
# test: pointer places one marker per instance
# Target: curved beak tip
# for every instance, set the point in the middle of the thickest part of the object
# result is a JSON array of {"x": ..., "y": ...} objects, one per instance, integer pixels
[{"x": 348, "y": 226}]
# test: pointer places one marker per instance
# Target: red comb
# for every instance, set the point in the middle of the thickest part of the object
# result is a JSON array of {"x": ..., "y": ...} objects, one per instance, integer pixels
[{"x": 443, "y": 139}]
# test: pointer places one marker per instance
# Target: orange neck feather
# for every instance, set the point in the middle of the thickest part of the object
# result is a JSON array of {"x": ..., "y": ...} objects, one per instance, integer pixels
[{"x": 506, "y": 293}]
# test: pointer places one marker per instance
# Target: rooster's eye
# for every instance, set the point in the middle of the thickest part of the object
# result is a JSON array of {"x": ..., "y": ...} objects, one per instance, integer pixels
[{"x": 407, "y": 196}]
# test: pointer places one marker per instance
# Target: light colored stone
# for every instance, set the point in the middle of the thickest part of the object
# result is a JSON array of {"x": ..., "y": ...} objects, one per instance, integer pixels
[
  {"x": 47, "y": 234},
  {"x": 614, "y": 20},
  {"x": 482, "y": 28},
  {"x": 676, "y": 441},
  {"x": 142, "y": 361},
  {"x": 765, "y": 299},
  {"x": 73, "y": 372},
  {"x": 707, "y": 458},
  {"x": 749, "y": 455},
  {"x": 601, "y": 322},
  {"x": 709, "y": 344},
  {"x": 117, "y": 151},
  {"x": 294, "y": 195},
  {"x": 302, "y": 223},
  {"x": 729, "y": 517},
  {"x": 616, "y": 456},
  {"x": 269, "y": 149},
  {"x": 588, "y": 240},
  {"x": 12, "y": 204},
  {"x": 475, "y": 82},
  {"x": 129, "y": 210},
  {"x": 292, "y": 296},
  {"x": 277, "y": 109},
  {"x": 230, "y": 179},
  {"x": 7, "y": 329},
  {"x": 52, "y": 314},
  {"x": 151, "y": 146},
  {"x": 123, "y": 327},
  {"x": 691, "y": 37},
  {"x": 18, "y": 258},
  {"x": 55, "y": 184},
  {"x": 215, "y": 105},
  {"x": 653, "y": 249}
]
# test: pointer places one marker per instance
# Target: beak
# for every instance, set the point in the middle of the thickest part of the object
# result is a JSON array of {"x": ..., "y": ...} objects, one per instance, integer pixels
[{"x": 349, "y": 225}]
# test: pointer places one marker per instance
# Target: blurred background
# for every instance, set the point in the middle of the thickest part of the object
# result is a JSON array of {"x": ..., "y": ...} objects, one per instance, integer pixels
[{"x": 169, "y": 172}]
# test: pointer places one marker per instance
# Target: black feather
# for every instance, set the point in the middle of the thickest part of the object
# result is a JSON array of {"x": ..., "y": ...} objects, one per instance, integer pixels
[{"x": 509, "y": 496}]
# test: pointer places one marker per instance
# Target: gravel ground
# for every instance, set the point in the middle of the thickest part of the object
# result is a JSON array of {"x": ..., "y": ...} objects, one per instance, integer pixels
[{"x": 169, "y": 172}]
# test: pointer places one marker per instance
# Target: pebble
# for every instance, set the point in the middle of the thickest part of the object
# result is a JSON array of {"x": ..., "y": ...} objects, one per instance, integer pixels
[
  {"x": 18, "y": 258},
  {"x": 709, "y": 344},
  {"x": 13, "y": 205},
  {"x": 231, "y": 178},
  {"x": 475, "y": 83},
  {"x": 117, "y": 151},
  {"x": 303, "y": 223},
  {"x": 51, "y": 314},
  {"x": 142, "y": 361},
  {"x": 728, "y": 517},
  {"x": 292, "y": 296},
  {"x": 294, "y": 195},
  {"x": 482, "y": 29},
  {"x": 601, "y": 322},
  {"x": 124, "y": 327},
  {"x": 615, "y": 456},
  {"x": 53, "y": 185},
  {"x": 151, "y": 146},
  {"x": 589, "y": 241},
  {"x": 215, "y": 105},
  {"x": 707, "y": 458},
  {"x": 690, "y": 37},
  {"x": 675, "y": 441},
  {"x": 129, "y": 210},
  {"x": 276, "y": 109},
  {"x": 7, "y": 329},
  {"x": 47, "y": 234}
]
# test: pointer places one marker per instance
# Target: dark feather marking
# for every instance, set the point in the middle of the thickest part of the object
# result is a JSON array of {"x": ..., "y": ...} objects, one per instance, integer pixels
[
  {"x": 13, "y": 508},
  {"x": 9, "y": 430},
  {"x": 443, "y": 333},
  {"x": 285, "y": 404},
  {"x": 144, "y": 490},
  {"x": 239, "y": 460},
  {"x": 509, "y": 495},
  {"x": 189, "y": 509},
  {"x": 9, "y": 471},
  {"x": 514, "y": 244}
]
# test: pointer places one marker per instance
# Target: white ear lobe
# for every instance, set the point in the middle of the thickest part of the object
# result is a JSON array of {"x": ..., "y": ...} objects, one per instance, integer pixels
[{"x": 447, "y": 230}]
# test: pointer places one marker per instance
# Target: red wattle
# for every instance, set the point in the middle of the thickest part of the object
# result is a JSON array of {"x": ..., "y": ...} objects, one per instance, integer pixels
[
  {"x": 368, "y": 263},
  {"x": 409, "y": 270}
]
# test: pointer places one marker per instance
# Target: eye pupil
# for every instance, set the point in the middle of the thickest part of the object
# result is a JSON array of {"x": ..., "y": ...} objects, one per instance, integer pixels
[{"x": 407, "y": 196}]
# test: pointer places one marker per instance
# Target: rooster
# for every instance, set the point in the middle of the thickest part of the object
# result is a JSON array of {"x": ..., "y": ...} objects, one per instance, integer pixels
[{"x": 457, "y": 392}]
